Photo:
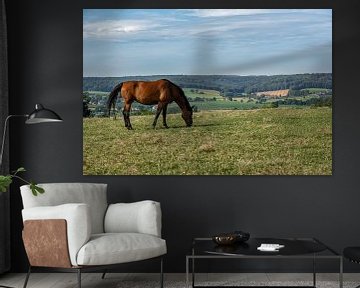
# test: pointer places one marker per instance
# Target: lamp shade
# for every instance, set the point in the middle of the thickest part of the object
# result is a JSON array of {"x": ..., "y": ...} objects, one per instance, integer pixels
[{"x": 42, "y": 115}]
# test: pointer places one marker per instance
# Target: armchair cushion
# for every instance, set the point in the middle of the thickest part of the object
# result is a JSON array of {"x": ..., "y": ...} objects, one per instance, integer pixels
[
  {"x": 138, "y": 217},
  {"x": 113, "y": 248},
  {"x": 93, "y": 194},
  {"x": 78, "y": 221}
]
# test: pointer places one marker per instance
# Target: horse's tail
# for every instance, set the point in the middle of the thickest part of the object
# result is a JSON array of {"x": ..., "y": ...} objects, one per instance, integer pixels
[{"x": 112, "y": 97}]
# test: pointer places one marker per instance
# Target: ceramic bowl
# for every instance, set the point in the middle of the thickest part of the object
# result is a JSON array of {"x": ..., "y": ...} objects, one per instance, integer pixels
[{"x": 225, "y": 239}]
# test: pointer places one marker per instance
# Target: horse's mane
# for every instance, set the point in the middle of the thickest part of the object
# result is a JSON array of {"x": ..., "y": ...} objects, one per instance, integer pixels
[{"x": 187, "y": 104}]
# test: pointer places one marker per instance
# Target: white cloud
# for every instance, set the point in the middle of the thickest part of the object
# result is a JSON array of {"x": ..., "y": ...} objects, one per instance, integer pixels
[
  {"x": 114, "y": 28},
  {"x": 227, "y": 12},
  {"x": 247, "y": 12}
]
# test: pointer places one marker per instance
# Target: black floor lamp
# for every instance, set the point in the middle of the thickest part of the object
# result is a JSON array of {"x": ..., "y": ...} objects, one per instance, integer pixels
[{"x": 39, "y": 115}]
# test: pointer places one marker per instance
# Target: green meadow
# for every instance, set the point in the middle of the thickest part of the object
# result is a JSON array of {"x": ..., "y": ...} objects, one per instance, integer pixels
[{"x": 277, "y": 141}]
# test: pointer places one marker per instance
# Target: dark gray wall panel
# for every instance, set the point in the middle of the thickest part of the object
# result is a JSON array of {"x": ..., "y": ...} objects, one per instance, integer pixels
[{"x": 45, "y": 49}]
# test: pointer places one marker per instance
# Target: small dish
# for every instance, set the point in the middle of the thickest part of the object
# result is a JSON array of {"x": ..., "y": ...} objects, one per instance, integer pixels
[{"x": 225, "y": 239}]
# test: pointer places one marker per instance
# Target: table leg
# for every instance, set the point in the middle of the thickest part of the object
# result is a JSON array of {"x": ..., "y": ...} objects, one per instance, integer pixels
[
  {"x": 187, "y": 272},
  {"x": 193, "y": 272},
  {"x": 341, "y": 273},
  {"x": 314, "y": 271}
]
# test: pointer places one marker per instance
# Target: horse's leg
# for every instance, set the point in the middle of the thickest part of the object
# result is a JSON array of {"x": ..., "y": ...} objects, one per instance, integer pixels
[
  {"x": 114, "y": 110},
  {"x": 158, "y": 111},
  {"x": 164, "y": 115},
  {"x": 126, "y": 113}
]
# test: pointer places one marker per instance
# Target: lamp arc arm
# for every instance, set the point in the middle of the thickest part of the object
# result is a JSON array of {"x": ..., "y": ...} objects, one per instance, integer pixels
[{"x": 4, "y": 133}]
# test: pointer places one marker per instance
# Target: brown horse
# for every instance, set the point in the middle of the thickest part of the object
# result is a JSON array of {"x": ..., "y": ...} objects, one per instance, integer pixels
[{"x": 160, "y": 92}]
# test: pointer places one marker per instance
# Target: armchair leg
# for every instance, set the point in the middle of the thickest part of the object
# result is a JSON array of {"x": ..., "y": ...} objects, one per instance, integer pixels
[
  {"x": 161, "y": 273},
  {"x": 79, "y": 277},
  {"x": 103, "y": 275},
  {"x": 27, "y": 277}
]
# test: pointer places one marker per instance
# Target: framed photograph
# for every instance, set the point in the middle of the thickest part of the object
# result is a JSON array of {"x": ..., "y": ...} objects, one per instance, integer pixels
[{"x": 207, "y": 92}]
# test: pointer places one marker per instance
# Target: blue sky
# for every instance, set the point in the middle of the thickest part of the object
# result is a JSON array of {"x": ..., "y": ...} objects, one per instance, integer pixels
[{"x": 130, "y": 42}]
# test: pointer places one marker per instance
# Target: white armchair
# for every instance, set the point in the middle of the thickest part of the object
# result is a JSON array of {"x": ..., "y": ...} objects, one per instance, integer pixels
[{"x": 72, "y": 228}]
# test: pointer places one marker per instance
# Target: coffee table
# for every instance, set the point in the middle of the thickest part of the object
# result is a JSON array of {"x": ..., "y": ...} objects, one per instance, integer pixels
[{"x": 294, "y": 248}]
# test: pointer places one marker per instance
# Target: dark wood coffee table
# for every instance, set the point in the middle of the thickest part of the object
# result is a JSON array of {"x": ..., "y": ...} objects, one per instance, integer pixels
[{"x": 294, "y": 248}]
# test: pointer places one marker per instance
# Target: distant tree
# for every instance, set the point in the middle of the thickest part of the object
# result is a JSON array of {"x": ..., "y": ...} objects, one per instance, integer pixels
[
  {"x": 227, "y": 85},
  {"x": 86, "y": 101}
]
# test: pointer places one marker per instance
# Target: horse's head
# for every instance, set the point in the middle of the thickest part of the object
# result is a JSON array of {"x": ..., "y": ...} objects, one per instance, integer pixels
[{"x": 187, "y": 116}]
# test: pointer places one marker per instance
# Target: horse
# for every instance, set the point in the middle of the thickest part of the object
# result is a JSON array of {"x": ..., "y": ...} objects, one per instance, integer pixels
[{"x": 160, "y": 92}]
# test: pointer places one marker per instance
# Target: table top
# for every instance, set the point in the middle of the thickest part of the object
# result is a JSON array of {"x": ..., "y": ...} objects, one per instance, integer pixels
[{"x": 292, "y": 247}]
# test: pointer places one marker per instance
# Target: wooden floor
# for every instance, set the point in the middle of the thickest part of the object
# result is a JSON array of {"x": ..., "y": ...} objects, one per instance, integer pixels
[{"x": 116, "y": 280}]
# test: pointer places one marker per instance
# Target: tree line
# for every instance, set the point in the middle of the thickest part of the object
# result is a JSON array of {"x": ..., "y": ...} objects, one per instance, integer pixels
[{"x": 227, "y": 85}]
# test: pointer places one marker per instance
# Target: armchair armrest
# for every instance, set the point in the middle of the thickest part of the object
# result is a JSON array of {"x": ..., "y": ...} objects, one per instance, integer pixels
[
  {"x": 52, "y": 250},
  {"x": 78, "y": 223},
  {"x": 138, "y": 217}
]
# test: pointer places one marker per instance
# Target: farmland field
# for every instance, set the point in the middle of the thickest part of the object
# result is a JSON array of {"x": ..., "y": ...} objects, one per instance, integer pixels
[
  {"x": 204, "y": 93},
  {"x": 282, "y": 141}
]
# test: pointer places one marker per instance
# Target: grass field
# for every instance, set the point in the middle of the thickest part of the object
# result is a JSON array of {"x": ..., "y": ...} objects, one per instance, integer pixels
[
  {"x": 203, "y": 93},
  {"x": 279, "y": 141},
  {"x": 225, "y": 105}
]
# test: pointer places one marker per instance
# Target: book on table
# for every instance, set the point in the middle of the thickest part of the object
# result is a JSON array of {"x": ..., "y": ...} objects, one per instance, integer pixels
[{"x": 270, "y": 247}]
